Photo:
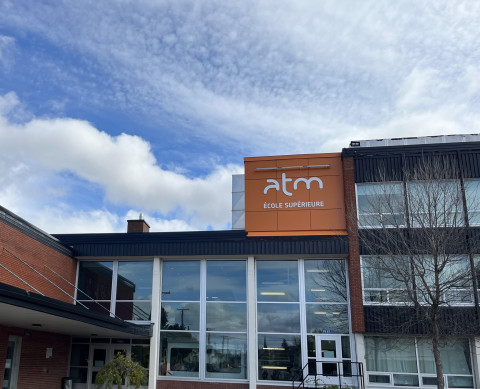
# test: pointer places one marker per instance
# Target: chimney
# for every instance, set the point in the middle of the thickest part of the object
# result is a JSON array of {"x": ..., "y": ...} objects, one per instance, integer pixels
[{"x": 139, "y": 225}]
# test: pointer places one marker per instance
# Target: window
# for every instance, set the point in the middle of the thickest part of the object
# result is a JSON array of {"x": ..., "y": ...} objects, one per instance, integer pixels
[
  {"x": 278, "y": 320},
  {"x": 409, "y": 362},
  {"x": 204, "y": 318},
  {"x": 434, "y": 204},
  {"x": 379, "y": 286},
  {"x": 381, "y": 204},
  {"x": 180, "y": 319},
  {"x": 385, "y": 279},
  {"x": 326, "y": 296},
  {"x": 120, "y": 287},
  {"x": 472, "y": 195}
]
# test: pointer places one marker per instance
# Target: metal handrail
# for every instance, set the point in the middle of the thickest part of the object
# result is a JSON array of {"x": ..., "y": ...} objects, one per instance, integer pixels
[
  {"x": 303, "y": 374},
  {"x": 81, "y": 291}
]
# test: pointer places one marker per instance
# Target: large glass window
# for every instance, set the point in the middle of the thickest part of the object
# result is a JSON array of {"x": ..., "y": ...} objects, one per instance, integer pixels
[
  {"x": 379, "y": 285},
  {"x": 410, "y": 362},
  {"x": 326, "y": 296},
  {"x": 180, "y": 312},
  {"x": 132, "y": 281},
  {"x": 472, "y": 195},
  {"x": 381, "y": 204},
  {"x": 179, "y": 354},
  {"x": 279, "y": 357},
  {"x": 226, "y": 320},
  {"x": 214, "y": 326},
  {"x": 435, "y": 204},
  {"x": 134, "y": 290},
  {"x": 278, "y": 312},
  {"x": 385, "y": 278},
  {"x": 95, "y": 283}
]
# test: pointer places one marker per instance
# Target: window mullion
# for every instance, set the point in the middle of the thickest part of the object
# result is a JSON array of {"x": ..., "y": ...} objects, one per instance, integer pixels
[
  {"x": 203, "y": 319},
  {"x": 113, "y": 297}
]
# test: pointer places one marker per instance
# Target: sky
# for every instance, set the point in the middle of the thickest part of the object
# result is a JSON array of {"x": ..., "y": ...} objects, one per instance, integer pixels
[{"x": 109, "y": 109}]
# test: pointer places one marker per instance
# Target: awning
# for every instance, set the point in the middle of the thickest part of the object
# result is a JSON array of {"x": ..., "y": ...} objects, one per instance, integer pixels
[{"x": 32, "y": 311}]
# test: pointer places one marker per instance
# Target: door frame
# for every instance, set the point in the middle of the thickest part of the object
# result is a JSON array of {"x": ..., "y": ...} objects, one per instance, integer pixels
[
  {"x": 109, "y": 355},
  {"x": 320, "y": 359},
  {"x": 15, "y": 361}
]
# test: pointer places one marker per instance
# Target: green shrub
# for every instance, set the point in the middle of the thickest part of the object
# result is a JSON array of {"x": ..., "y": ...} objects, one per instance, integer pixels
[{"x": 120, "y": 370}]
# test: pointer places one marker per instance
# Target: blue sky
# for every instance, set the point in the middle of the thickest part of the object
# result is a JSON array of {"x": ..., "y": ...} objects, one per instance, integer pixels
[{"x": 112, "y": 108}]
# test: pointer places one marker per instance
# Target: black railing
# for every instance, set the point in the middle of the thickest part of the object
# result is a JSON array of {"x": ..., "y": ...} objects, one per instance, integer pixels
[{"x": 343, "y": 374}]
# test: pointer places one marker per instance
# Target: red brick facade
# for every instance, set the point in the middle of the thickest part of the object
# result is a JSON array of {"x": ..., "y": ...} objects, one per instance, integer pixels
[
  {"x": 36, "y": 371},
  {"x": 164, "y": 384},
  {"x": 354, "y": 270},
  {"x": 37, "y": 255}
]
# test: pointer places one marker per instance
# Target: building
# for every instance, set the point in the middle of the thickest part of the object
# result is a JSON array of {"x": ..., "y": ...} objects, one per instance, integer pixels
[{"x": 293, "y": 292}]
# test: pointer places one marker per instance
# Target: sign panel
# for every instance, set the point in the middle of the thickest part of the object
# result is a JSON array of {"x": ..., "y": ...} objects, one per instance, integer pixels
[{"x": 294, "y": 195}]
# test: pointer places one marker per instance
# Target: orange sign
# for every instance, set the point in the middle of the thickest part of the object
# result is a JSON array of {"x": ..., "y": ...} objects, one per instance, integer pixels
[{"x": 294, "y": 195}]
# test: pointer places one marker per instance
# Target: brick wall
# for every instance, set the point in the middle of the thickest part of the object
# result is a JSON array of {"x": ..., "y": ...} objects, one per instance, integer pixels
[
  {"x": 36, "y": 371},
  {"x": 167, "y": 384},
  {"x": 37, "y": 255},
  {"x": 354, "y": 271}
]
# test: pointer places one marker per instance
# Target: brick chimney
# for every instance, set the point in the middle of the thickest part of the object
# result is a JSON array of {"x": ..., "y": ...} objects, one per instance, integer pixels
[{"x": 138, "y": 225}]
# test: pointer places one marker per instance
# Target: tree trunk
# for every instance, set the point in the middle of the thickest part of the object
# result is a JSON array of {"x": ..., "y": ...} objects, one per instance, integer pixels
[{"x": 436, "y": 355}]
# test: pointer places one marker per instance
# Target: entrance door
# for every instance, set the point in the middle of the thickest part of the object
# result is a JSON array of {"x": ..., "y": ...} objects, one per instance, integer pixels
[
  {"x": 328, "y": 359},
  {"x": 12, "y": 362},
  {"x": 102, "y": 354}
]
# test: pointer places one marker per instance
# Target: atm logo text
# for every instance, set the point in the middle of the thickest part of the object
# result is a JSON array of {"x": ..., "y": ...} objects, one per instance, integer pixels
[{"x": 284, "y": 181}]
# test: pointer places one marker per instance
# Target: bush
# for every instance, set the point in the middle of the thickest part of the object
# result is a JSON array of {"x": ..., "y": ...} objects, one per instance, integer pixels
[{"x": 120, "y": 370}]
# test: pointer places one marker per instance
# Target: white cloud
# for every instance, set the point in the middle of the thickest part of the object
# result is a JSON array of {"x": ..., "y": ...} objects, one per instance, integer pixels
[{"x": 37, "y": 153}]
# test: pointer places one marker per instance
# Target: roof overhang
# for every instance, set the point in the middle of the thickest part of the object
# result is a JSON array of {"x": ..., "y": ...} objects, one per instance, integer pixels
[{"x": 32, "y": 311}]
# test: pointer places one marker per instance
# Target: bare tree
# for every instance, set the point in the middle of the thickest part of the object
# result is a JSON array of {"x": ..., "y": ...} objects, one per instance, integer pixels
[{"x": 416, "y": 234}]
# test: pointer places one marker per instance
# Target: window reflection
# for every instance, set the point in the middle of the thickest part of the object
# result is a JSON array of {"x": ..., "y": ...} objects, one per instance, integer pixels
[
  {"x": 226, "y": 317},
  {"x": 226, "y": 281},
  {"x": 179, "y": 354},
  {"x": 327, "y": 319},
  {"x": 325, "y": 281},
  {"x": 134, "y": 280},
  {"x": 95, "y": 279},
  {"x": 278, "y": 317},
  {"x": 181, "y": 280},
  {"x": 226, "y": 356},
  {"x": 279, "y": 357},
  {"x": 277, "y": 281},
  {"x": 180, "y": 316},
  {"x": 133, "y": 310}
]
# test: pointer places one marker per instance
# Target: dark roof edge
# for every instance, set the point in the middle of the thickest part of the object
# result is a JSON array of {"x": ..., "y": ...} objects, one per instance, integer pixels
[
  {"x": 24, "y": 299},
  {"x": 430, "y": 147},
  {"x": 33, "y": 232}
]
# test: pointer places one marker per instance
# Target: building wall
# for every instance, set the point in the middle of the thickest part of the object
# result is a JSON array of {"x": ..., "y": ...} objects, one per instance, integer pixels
[
  {"x": 36, "y": 371},
  {"x": 37, "y": 255},
  {"x": 354, "y": 269}
]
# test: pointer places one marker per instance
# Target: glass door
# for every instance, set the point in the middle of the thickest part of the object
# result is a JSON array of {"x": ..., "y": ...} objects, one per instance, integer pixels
[
  {"x": 328, "y": 359},
  {"x": 99, "y": 357},
  {"x": 102, "y": 354},
  {"x": 12, "y": 362}
]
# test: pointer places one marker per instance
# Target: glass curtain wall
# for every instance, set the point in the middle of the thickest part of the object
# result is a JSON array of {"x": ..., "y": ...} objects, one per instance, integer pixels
[
  {"x": 204, "y": 319},
  {"x": 283, "y": 292},
  {"x": 122, "y": 288},
  {"x": 278, "y": 320}
]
